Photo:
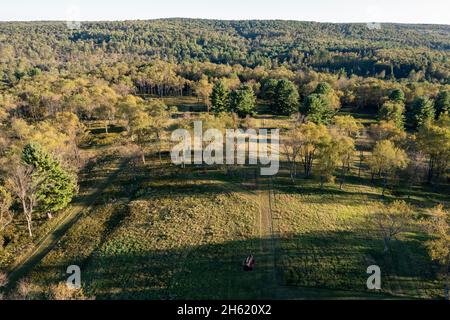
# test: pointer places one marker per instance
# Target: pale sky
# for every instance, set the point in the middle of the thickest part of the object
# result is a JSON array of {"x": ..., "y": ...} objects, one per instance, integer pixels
[{"x": 403, "y": 11}]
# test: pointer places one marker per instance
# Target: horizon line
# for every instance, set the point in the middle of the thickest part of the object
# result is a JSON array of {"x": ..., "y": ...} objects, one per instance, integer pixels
[{"x": 220, "y": 19}]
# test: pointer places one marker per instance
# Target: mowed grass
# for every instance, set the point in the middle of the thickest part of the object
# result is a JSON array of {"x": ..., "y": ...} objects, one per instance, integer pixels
[
  {"x": 167, "y": 233},
  {"x": 327, "y": 241},
  {"x": 152, "y": 236}
]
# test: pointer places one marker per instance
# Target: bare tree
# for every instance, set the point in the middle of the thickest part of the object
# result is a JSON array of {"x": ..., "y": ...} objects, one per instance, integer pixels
[
  {"x": 292, "y": 147},
  {"x": 25, "y": 185},
  {"x": 392, "y": 220}
]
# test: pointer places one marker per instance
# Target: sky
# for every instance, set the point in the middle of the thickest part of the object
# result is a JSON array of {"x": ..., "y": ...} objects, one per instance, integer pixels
[{"x": 402, "y": 11}]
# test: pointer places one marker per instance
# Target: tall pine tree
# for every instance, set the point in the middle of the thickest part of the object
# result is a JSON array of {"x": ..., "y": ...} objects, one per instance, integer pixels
[
  {"x": 243, "y": 101},
  {"x": 220, "y": 98},
  {"x": 59, "y": 186},
  {"x": 286, "y": 98}
]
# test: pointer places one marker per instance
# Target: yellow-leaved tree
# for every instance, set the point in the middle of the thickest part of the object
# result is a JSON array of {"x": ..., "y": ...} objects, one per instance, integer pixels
[{"x": 386, "y": 160}]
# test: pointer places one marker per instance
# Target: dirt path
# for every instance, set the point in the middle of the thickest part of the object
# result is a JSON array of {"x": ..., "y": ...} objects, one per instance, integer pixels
[
  {"x": 48, "y": 242},
  {"x": 272, "y": 282},
  {"x": 266, "y": 258}
]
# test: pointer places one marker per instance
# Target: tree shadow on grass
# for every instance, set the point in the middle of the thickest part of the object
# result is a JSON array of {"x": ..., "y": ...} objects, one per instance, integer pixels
[{"x": 329, "y": 265}]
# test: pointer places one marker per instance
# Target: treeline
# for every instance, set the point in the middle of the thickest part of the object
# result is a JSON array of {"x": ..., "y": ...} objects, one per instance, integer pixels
[
  {"x": 417, "y": 52},
  {"x": 417, "y": 135},
  {"x": 94, "y": 95},
  {"x": 396, "y": 156}
]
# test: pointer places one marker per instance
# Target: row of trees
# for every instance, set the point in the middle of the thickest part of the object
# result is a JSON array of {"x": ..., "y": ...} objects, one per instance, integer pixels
[
  {"x": 391, "y": 220},
  {"x": 241, "y": 101},
  {"x": 422, "y": 110},
  {"x": 320, "y": 94},
  {"x": 40, "y": 160},
  {"x": 324, "y": 102},
  {"x": 327, "y": 148},
  {"x": 332, "y": 147}
]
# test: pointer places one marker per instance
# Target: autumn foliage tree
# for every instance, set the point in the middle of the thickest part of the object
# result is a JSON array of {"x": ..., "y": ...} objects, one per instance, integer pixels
[
  {"x": 6, "y": 216},
  {"x": 386, "y": 160},
  {"x": 311, "y": 137},
  {"x": 391, "y": 220},
  {"x": 438, "y": 226},
  {"x": 25, "y": 185},
  {"x": 433, "y": 141}
]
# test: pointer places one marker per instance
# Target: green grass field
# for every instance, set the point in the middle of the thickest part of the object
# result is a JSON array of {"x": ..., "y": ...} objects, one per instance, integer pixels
[{"x": 328, "y": 242}]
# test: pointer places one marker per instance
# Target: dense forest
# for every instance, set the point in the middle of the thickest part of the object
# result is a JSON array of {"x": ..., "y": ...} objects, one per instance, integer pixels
[
  {"x": 184, "y": 57},
  {"x": 418, "y": 52}
]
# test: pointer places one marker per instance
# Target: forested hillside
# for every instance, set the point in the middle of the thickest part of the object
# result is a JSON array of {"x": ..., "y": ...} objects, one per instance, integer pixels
[{"x": 394, "y": 51}]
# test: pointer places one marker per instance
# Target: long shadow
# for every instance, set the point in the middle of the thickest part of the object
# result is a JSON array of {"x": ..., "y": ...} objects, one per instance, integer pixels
[
  {"x": 49, "y": 241},
  {"x": 245, "y": 175},
  {"x": 315, "y": 266}
]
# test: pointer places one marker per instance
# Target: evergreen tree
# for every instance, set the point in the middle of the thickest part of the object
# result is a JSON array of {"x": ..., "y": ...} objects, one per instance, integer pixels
[
  {"x": 422, "y": 112},
  {"x": 316, "y": 107},
  {"x": 268, "y": 89},
  {"x": 323, "y": 88},
  {"x": 286, "y": 98},
  {"x": 393, "y": 111},
  {"x": 397, "y": 95},
  {"x": 220, "y": 98},
  {"x": 326, "y": 91},
  {"x": 243, "y": 101},
  {"x": 443, "y": 103},
  {"x": 58, "y": 187}
]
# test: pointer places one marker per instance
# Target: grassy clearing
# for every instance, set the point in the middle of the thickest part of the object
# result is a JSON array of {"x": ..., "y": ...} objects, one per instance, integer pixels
[
  {"x": 167, "y": 238},
  {"x": 328, "y": 242},
  {"x": 185, "y": 104}
]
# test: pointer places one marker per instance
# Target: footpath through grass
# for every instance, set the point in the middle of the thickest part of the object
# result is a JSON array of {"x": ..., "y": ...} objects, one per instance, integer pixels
[{"x": 84, "y": 202}]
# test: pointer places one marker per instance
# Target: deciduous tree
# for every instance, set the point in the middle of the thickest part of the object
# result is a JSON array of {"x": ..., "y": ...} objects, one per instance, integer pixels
[
  {"x": 6, "y": 216},
  {"x": 386, "y": 160},
  {"x": 392, "y": 220},
  {"x": 433, "y": 140},
  {"x": 438, "y": 226},
  {"x": 25, "y": 186}
]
